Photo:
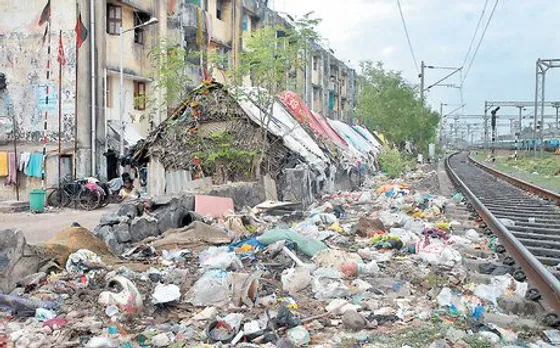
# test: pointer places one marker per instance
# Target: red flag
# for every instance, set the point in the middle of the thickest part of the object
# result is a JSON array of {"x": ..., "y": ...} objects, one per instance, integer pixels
[
  {"x": 81, "y": 31},
  {"x": 61, "y": 59},
  {"x": 46, "y": 14}
]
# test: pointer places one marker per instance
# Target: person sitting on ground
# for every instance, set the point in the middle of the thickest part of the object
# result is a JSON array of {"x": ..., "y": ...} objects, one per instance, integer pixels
[{"x": 128, "y": 191}]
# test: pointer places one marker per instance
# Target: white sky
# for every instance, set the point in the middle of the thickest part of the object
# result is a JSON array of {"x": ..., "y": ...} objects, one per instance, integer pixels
[{"x": 441, "y": 30}]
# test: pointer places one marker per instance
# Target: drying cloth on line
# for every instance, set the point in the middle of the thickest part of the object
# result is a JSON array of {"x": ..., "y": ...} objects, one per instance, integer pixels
[
  {"x": 3, "y": 163},
  {"x": 35, "y": 165},
  {"x": 23, "y": 160},
  {"x": 12, "y": 169}
]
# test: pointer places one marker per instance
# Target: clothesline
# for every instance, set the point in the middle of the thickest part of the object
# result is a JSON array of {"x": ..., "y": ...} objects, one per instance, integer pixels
[{"x": 28, "y": 163}]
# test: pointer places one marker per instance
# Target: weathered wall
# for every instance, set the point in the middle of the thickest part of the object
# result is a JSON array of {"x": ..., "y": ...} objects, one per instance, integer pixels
[{"x": 23, "y": 58}]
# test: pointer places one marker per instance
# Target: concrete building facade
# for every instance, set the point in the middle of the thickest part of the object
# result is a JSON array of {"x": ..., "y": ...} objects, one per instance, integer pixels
[{"x": 92, "y": 125}]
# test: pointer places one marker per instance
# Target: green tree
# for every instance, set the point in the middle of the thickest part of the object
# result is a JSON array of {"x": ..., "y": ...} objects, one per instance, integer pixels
[
  {"x": 173, "y": 70},
  {"x": 390, "y": 105},
  {"x": 271, "y": 57}
]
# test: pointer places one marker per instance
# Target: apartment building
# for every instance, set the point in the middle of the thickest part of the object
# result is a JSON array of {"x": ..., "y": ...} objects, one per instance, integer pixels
[{"x": 95, "y": 110}]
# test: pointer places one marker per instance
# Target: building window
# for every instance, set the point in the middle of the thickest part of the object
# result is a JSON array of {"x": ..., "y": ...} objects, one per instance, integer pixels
[
  {"x": 109, "y": 93},
  {"x": 114, "y": 19},
  {"x": 139, "y": 33},
  {"x": 245, "y": 24},
  {"x": 139, "y": 95},
  {"x": 315, "y": 63},
  {"x": 219, "y": 9}
]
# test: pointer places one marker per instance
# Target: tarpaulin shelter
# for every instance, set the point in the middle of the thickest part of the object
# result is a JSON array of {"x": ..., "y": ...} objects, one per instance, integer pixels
[
  {"x": 372, "y": 139},
  {"x": 283, "y": 125},
  {"x": 319, "y": 125},
  {"x": 357, "y": 141}
]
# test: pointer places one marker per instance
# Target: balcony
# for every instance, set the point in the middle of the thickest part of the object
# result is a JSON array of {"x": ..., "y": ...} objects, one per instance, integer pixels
[
  {"x": 256, "y": 7},
  {"x": 334, "y": 87},
  {"x": 189, "y": 20}
]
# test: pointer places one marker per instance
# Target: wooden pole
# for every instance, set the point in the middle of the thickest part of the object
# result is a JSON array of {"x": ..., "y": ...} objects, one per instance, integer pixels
[
  {"x": 16, "y": 153},
  {"x": 59, "y": 115},
  {"x": 75, "y": 156}
]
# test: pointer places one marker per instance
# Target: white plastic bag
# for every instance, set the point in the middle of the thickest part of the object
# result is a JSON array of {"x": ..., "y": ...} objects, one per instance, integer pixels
[
  {"x": 295, "y": 279},
  {"x": 488, "y": 292},
  {"x": 472, "y": 235},
  {"x": 212, "y": 289},
  {"x": 219, "y": 258},
  {"x": 445, "y": 297},
  {"x": 327, "y": 283}
]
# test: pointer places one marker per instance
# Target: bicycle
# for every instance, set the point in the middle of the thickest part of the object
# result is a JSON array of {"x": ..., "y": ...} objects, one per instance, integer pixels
[{"x": 86, "y": 196}]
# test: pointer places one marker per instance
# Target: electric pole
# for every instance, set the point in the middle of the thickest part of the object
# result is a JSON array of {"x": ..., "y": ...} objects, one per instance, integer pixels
[{"x": 422, "y": 67}]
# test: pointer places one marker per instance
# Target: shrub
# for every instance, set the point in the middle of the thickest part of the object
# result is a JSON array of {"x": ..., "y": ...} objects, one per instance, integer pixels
[{"x": 392, "y": 161}]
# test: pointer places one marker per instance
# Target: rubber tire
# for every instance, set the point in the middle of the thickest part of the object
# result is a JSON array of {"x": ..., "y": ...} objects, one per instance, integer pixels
[
  {"x": 82, "y": 199},
  {"x": 54, "y": 200}
]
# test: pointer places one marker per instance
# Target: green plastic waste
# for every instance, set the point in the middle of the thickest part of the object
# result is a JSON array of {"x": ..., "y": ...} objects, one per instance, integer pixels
[{"x": 306, "y": 245}]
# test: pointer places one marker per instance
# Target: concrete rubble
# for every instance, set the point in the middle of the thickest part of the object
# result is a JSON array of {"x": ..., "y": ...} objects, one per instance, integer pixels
[{"x": 389, "y": 265}]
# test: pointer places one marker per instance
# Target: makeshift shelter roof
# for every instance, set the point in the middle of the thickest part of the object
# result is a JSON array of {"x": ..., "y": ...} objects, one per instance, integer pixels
[
  {"x": 283, "y": 125},
  {"x": 320, "y": 127},
  {"x": 210, "y": 127},
  {"x": 364, "y": 132},
  {"x": 352, "y": 137}
]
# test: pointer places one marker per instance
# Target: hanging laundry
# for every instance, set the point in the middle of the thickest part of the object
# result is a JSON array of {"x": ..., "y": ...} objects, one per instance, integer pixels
[
  {"x": 3, "y": 163},
  {"x": 35, "y": 165},
  {"x": 12, "y": 169},
  {"x": 23, "y": 161}
]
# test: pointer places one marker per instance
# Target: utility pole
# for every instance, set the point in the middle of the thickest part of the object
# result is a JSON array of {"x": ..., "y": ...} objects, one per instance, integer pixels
[
  {"x": 556, "y": 106},
  {"x": 422, "y": 67},
  {"x": 441, "y": 122},
  {"x": 486, "y": 125}
]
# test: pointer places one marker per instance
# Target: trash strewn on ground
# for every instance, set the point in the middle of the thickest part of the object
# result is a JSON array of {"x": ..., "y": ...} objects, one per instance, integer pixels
[{"x": 387, "y": 266}]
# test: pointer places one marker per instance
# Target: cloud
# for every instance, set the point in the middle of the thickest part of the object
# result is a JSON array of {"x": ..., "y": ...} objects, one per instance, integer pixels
[
  {"x": 387, "y": 51},
  {"x": 440, "y": 31}
]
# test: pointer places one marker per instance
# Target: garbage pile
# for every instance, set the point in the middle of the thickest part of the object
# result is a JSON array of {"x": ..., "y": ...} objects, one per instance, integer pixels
[{"x": 383, "y": 267}]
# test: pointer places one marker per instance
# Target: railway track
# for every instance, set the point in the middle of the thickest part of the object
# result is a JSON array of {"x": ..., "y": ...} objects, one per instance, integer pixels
[{"x": 533, "y": 239}]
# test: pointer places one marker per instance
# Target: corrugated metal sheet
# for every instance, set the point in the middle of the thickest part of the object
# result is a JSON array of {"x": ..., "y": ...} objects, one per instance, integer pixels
[
  {"x": 156, "y": 178},
  {"x": 176, "y": 181}
]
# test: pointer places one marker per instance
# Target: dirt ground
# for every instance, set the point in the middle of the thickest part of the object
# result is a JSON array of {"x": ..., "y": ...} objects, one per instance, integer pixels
[{"x": 40, "y": 227}]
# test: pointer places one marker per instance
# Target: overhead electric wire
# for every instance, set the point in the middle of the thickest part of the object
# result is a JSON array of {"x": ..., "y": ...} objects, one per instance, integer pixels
[
  {"x": 475, "y": 32},
  {"x": 480, "y": 42},
  {"x": 408, "y": 37}
]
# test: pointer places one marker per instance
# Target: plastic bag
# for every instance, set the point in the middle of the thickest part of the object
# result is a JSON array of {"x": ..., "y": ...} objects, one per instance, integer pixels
[
  {"x": 212, "y": 289},
  {"x": 405, "y": 236},
  {"x": 472, "y": 235},
  {"x": 166, "y": 293},
  {"x": 327, "y": 283},
  {"x": 445, "y": 297},
  {"x": 128, "y": 298},
  {"x": 219, "y": 258},
  {"x": 306, "y": 245},
  {"x": 437, "y": 253},
  {"x": 295, "y": 279},
  {"x": 83, "y": 260},
  {"x": 369, "y": 268},
  {"x": 323, "y": 219},
  {"x": 488, "y": 292}
]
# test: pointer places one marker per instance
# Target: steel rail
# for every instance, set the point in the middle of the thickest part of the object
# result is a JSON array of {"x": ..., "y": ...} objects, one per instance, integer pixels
[
  {"x": 524, "y": 185},
  {"x": 539, "y": 276}
]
